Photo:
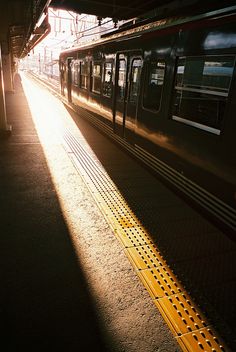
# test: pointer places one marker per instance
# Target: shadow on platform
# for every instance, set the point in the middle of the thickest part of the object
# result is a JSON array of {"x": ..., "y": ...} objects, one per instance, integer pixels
[
  {"x": 45, "y": 301},
  {"x": 201, "y": 255}
]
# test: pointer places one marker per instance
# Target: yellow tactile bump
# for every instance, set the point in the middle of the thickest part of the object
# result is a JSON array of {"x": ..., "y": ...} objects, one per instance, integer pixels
[
  {"x": 125, "y": 221},
  {"x": 110, "y": 203},
  {"x": 120, "y": 209},
  {"x": 132, "y": 236},
  {"x": 202, "y": 340},
  {"x": 145, "y": 257},
  {"x": 160, "y": 282},
  {"x": 181, "y": 314},
  {"x": 183, "y": 318},
  {"x": 103, "y": 187},
  {"x": 110, "y": 197}
]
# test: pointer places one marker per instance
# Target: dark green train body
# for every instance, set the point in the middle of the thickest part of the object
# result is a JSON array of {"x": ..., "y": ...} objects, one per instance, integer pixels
[{"x": 169, "y": 89}]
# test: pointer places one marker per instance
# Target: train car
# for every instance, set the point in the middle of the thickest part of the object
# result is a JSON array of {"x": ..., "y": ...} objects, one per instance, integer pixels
[{"x": 168, "y": 88}]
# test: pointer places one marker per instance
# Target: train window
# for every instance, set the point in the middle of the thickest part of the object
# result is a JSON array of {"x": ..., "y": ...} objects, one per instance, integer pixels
[
  {"x": 107, "y": 80},
  {"x": 135, "y": 79},
  {"x": 96, "y": 78},
  {"x": 83, "y": 74},
  {"x": 201, "y": 91},
  {"x": 121, "y": 80},
  {"x": 153, "y": 84},
  {"x": 75, "y": 73}
]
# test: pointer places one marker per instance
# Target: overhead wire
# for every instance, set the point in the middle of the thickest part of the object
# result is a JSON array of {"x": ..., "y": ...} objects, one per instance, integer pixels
[{"x": 132, "y": 5}]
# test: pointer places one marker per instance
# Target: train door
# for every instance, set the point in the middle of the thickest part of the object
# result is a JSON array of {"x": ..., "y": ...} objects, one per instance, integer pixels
[
  {"x": 128, "y": 72},
  {"x": 62, "y": 78},
  {"x": 69, "y": 78}
]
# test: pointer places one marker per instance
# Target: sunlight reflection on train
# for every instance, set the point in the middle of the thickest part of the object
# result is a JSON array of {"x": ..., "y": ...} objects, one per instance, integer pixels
[{"x": 219, "y": 40}]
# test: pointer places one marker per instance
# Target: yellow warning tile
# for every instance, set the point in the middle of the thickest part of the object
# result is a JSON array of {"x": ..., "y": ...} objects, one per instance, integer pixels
[
  {"x": 126, "y": 221},
  {"x": 159, "y": 282},
  {"x": 110, "y": 209},
  {"x": 145, "y": 257},
  {"x": 133, "y": 236},
  {"x": 109, "y": 195},
  {"x": 180, "y": 313},
  {"x": 182, "y": 316},
  {"x": 201, "y": 340},
  {"x": 121, "y": 221}
]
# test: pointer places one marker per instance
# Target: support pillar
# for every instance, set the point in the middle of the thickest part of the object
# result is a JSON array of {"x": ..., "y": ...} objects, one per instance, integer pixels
[
  {"x": 7, "y": 73},
  {"x": 4, "y": 127}
]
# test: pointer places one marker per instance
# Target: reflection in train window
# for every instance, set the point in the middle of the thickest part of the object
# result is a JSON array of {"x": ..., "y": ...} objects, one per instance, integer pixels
[
  {"x": 121, "y": 79},
  {"x": 107, "y": 79},
  {"x": 96, "y": 78},
  {"x": 153, "y": 84},
  {"x": 75, "y": 72},
  {"x": 84, "y": 74},
  {"x": 201, "y": 91},
  {"x": 135, "y": 79}
]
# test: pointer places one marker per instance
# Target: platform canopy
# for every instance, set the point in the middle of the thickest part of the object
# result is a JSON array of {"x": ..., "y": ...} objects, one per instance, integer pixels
[
  {"x": 23, "y": 23},
  {"x": 120, "y": 9},
  {"x": 123, "y": 9}
]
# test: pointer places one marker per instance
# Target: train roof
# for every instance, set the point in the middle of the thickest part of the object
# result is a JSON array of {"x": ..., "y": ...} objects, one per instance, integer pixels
[{"x": 159, "y": 24}]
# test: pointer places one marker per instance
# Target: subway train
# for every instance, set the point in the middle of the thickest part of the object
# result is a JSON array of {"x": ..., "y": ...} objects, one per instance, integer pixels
[{"x": 167, "y": 88}]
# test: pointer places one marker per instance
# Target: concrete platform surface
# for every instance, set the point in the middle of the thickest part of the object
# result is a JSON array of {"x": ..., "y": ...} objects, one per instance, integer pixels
[{"x": 66, "y": 285}]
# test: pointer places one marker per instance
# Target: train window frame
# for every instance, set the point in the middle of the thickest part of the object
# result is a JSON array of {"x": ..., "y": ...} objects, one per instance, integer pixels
[
  {"x": 107, "y": 89},
  {"x": 62, "y": 68},
  {"x": 149, "y": 81},
  {"x": 131, "y": 80},
  {"x": 96, "y": 79},
  {"x": 83, "y": 76},
  {"x": 203, "y": 91}
]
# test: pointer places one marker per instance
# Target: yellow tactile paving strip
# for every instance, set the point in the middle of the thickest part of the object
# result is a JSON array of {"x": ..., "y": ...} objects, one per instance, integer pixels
[
  {"x": 145, "y": 257},
  {"x": 183, "y": 317},
  {"x": 200, "y": 340}
]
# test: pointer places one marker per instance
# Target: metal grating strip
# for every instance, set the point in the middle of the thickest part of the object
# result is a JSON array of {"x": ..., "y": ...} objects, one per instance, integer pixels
[
  {"x": 182, "y": 316},
  {"x": 220, "y": 209}
]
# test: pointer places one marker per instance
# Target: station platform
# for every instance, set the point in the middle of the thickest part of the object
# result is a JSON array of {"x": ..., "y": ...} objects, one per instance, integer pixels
[{"x": 90, "y": 238}]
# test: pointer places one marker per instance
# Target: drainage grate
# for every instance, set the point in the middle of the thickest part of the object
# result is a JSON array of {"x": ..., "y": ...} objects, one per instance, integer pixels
[{"x": 184, "y": 319}]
